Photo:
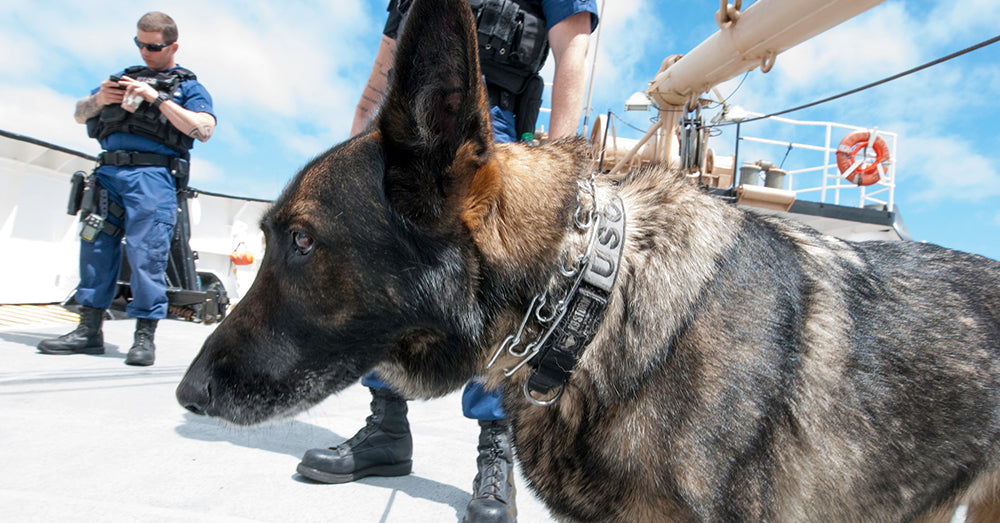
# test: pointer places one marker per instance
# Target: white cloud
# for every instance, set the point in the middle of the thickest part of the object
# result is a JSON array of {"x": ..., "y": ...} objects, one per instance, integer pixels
[
  {"x": 950, "y": 168},
  {"x": 879, "y": 41},
  {"x": 68, "y": 38},
  {"x": 207, "y": 173},
  {"x": 292, "y": 60},
  {"x": 971, "y": 16},
  {"x": 625, "y": 27},
  {"x": 40, "y": 112},
  {"x": 232, "y": 137},
  {"x": 20, "y": 56}
]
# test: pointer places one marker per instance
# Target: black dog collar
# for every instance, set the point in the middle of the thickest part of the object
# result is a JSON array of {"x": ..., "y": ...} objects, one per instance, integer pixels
[{"x": 575, "y": 328}]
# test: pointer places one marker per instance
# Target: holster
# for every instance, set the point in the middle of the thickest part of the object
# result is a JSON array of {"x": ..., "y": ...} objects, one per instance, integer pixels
[
  {"x": 92, "y": 220},
  {"x": 180, "y": 169},
  {"x": 527, "y": 106},
  {"x": 76, "y": 187},
  {"x": 94, "y": 207},
  {"x": 89, "y": 195}
]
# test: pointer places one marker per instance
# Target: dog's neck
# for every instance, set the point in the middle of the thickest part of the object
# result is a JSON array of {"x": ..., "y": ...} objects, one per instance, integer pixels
[
  {"x": 531, "y": 194},
  {"x": 562, "y": 319}
]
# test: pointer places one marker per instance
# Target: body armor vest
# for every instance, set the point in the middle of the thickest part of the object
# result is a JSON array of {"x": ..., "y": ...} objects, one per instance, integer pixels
[
  {"x": 513, "y": 41},
  {"x": 147, "y": 121}
]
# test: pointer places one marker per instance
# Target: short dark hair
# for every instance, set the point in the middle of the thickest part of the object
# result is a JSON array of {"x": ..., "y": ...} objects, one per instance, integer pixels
[{"x": 157, "y": 22}]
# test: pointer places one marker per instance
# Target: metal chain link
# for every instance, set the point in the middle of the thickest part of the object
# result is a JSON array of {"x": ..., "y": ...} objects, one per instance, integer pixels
[{"x": 554, "y": 309}]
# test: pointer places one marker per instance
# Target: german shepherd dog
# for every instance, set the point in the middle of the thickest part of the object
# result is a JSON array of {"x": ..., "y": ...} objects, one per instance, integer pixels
[{"x": 743, "y": 367}]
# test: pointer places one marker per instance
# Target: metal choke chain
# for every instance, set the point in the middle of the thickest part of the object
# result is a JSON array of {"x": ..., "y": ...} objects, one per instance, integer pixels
[{"x": 547, "y": 310}]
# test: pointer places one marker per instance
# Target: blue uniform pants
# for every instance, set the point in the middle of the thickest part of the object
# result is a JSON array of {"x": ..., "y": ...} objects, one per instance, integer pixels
[
  {"x": 149, "y": 197},
  {"x": 477, "y": 403},
  {"x": 503, "y": 122}
]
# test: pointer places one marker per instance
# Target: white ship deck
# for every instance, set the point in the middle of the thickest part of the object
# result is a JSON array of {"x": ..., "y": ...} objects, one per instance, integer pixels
[{"x": 87, "y": 438}]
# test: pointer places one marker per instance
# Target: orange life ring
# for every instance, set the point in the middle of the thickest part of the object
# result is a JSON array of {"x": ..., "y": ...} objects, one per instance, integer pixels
[
  {"x": 847, "y": 153},
  {"x": 241, "y": 256}
]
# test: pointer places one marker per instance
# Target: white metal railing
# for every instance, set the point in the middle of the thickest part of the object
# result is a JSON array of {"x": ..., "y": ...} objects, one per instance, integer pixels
[{"x": 824, "y": 177}]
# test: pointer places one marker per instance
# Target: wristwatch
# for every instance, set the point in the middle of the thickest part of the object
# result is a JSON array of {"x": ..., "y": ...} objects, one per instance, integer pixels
[{"x": 160, "y": 98}]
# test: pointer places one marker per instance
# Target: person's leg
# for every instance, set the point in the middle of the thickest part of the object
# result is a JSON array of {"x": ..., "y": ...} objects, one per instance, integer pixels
[
  {"x": 383, "y": 447},
  {"x": 86, "y": 338},
  {"x": 100, "y": 262},
  {"x": 503, "y": 122},
  {"x": 150, "y": 201},
  {"x": 373, "y": 381},
  {"x": 480, "y": 404},
  {"x": 493, "y": 492}
]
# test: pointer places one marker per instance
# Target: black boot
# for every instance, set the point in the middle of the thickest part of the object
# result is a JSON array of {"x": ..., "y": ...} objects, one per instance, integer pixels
[
  {"x": 493, "y": 489},
  {"x": 383, "y": 447},
  {"x": 143, "y": 352},
  {"x": 87, "y": 338}
]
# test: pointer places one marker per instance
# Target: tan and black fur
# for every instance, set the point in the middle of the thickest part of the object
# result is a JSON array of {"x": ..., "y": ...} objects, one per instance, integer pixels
[{"x": 748, "y": 368}]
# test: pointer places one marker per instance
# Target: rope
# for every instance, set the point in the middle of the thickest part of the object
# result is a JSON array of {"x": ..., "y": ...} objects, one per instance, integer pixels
[{"x": 786, "y": 155}]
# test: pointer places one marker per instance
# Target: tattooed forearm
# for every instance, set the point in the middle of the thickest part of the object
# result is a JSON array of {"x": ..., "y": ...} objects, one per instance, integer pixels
[
  {"x": 86, "y": 109},
  {"x": 378, "y": 85},
  {"x": 386, "y": 71},
  {"x": 202, "y": 134}
]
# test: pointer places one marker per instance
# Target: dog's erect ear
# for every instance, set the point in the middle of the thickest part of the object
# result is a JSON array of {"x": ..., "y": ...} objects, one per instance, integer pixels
[{"x": 435, "y": 121}]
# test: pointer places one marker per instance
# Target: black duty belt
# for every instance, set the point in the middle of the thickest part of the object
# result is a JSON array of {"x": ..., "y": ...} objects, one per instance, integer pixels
[
  {"x": 179, "y": 167},
  {"x": 141, "y": 159}
]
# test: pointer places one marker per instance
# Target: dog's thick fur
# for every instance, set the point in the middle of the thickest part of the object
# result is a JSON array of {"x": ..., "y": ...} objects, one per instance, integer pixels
[{"x": 748, "y": 368}]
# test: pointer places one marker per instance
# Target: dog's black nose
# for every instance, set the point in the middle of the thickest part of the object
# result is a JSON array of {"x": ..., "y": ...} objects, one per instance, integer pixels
[{"x": 194, "y": 394}]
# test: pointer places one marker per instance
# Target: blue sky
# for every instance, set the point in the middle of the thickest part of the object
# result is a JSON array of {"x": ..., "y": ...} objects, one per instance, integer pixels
[{"x": 286, "y": 76}]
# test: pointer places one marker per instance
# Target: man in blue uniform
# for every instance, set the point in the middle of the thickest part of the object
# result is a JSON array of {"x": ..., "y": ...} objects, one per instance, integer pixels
[
  {"x": 146, "y": 119},
  {"x": 384, "y": 447}
]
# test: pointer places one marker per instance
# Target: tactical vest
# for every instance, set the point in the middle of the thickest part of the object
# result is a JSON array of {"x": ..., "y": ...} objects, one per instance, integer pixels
[
  {"x": 513, "y": 42},
  {"x": 147, "y": 121}
]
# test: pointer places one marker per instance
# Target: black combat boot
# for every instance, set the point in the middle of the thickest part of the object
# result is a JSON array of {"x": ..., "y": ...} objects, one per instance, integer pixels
[
  {"x": 383, "y": 447},
  {"x": 87, "y": 338},
  {"x": 143, "y": 352},
  {"x": 493, "y": 489}
]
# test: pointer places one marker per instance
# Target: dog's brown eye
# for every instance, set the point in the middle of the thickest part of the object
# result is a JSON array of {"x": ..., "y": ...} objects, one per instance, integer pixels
[{"x": 303, "y": 242}]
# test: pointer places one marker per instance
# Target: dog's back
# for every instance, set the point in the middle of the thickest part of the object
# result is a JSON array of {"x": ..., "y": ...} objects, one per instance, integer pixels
[
  {"x": 755, "y": 369},
  {"x": 892, "y": 389}
]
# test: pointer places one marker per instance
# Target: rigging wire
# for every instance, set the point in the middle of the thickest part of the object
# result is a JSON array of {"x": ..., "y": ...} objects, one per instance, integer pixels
[
  {"x": 627, "y": 124},
  {"x": 932, "y": 63},
  {"x": 782, "y": 164},
  {"x": 593, "y": 68},
  {"x": 735, "y": 90}
]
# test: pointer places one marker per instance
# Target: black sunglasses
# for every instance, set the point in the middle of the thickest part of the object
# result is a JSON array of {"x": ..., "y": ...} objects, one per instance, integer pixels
[{"x": 153, "y": 48}]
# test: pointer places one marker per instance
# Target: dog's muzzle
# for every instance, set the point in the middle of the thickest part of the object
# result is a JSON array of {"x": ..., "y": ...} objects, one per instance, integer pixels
[{"x": 193, "y": 392}]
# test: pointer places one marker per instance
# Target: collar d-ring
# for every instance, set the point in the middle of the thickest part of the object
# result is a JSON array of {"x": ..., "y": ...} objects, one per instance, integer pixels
[{"x": 528, "y": 393}]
